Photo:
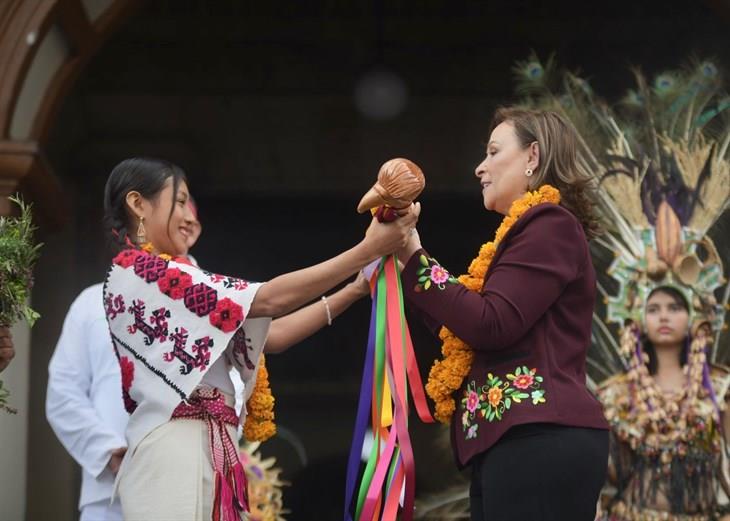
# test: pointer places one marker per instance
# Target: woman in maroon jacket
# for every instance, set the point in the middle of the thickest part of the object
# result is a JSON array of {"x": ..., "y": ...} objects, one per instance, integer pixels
[{"x": 516, "y": 331}]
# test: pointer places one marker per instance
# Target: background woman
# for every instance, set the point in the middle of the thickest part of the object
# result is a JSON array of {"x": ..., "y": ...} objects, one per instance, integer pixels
[{"x": 669, "y": 438}]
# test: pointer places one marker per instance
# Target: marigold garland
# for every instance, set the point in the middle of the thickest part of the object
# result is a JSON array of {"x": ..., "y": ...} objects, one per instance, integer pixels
[
  {"x": 259, "y": 425},
  {"x": 149, "y": 248},
  {"x": 447, "y": 375}
]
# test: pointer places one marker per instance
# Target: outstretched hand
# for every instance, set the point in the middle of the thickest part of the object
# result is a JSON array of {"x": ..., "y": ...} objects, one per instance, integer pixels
[{"x": 386, "y": 238}]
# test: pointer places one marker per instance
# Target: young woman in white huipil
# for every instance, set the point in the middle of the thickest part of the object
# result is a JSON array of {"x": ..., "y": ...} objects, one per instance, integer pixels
[{"x": 177, "y": 328}]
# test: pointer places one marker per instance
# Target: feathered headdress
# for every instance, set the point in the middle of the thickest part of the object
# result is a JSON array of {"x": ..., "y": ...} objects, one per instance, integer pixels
[{"x": 661, "y": 163}]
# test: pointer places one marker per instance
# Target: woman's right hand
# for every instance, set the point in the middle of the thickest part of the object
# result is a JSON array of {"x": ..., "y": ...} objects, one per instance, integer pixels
[{"x": 385, "y": 238}]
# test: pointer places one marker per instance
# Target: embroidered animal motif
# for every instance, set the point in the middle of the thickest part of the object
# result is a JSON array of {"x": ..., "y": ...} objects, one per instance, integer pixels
[
  {"x": 241, "y": 346},
  {"x": 200, "y": 357},
  {"x": 156, "y": 329},
  {"x": 114, "y": 305}
]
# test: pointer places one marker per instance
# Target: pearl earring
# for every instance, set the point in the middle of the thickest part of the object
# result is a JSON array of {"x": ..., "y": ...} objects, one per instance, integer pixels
[{"x": 528, "y": 172}]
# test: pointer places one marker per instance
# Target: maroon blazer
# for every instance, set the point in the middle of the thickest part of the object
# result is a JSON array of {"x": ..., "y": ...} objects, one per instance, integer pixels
[{"x": 530, "y": 328}]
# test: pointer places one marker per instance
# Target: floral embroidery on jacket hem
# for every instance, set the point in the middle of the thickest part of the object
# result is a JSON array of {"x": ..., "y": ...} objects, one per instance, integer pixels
[
  {"x": 497, "y": 396},
  {"x": 432, "y": 274}
]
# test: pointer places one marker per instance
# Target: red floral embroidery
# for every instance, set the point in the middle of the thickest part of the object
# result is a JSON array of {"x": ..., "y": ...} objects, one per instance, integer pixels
[
  {"x": 127, "y": 369},
  {"x": 174, "y": 283},
  {"x": 227, "y": 315},
  {"x": 523, "y": 381},
  {"x": 126, "y": 258}
]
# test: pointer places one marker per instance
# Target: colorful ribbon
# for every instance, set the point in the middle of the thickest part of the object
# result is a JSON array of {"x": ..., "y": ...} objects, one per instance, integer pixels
[{"x": 390, "y": 365}]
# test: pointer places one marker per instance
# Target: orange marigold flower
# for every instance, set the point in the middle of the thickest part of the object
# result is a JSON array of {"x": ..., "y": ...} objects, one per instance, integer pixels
[
  {"x": 260, "y": 406},
  {"x": 494, "y": 396}
]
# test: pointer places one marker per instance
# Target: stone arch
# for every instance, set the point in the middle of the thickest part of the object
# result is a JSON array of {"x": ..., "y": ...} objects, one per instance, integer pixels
[{"x": 44, "y": 47}]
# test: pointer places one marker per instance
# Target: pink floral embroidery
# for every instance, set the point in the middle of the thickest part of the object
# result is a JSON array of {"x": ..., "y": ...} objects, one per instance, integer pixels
[
  {"x": 472, "y": 401},
  {"x": 439, "y": 275},
  {"x": 523, "y": 381},
  {"x": 227, "y": 315},
  {"x": 174, "y": 283},
  {"x": 431, "y": 273},
  {"x": 497, "y": 396}
]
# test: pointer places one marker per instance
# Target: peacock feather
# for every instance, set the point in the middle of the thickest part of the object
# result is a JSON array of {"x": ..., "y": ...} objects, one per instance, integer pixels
[{"x": 664, "y": 147}]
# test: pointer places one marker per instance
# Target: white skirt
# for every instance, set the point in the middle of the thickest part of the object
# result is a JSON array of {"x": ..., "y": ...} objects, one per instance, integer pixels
[{"x": 170, "y": 475}]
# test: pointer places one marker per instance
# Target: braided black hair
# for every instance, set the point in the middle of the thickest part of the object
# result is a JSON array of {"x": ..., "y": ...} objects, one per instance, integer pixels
[{"x": 144, "y": 175}]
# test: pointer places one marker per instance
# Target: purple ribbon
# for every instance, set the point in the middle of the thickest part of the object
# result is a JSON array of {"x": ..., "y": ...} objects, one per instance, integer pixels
[{"x": 361, "y": 421}]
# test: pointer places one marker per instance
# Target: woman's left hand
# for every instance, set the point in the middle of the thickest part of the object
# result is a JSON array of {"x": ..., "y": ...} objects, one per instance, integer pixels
[{"x": 413, "y": 244}]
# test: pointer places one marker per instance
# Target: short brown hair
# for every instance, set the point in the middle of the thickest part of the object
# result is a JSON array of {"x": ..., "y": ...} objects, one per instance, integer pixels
[{"x": 558, "y": 144}]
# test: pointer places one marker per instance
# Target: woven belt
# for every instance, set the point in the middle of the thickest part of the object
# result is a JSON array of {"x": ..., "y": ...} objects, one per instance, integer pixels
[{"x": 231, "y": 488}]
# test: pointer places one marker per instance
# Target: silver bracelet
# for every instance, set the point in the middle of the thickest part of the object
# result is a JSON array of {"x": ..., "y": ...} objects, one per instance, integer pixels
[{"x": 327, "y": 309}]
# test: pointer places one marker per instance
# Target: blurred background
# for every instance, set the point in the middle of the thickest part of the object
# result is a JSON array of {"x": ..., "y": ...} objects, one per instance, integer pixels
[{"x": 281, "y": 113}]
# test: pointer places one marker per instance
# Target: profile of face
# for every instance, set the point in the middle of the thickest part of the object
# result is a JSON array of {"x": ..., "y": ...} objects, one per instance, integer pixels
[
  {"x": 502, "y": 173},
  {"x": 666, "y": 319},
  {"x": 169, "y": 221},
  {"x": 195, "y": 227}
]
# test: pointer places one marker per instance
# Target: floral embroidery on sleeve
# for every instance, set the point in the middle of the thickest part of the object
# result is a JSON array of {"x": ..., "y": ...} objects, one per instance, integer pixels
[
  {"x": 492, "y": 400},
  {"x": 227, "y": 315},
  {"x": 127, "y": 369},
  {"x": 174, "y": 282},
  {"x": 431, "y": 273}
]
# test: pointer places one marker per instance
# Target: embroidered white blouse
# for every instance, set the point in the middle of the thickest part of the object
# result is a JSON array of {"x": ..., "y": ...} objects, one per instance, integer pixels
[{"x": 170, "y": 322}]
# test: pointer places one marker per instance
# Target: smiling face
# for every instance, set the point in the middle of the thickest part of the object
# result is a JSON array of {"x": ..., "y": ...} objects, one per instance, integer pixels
[
  {"x": 195, "y": 227},
  {"x": 168, "y": 219},
  {"x": 502, "y": 172},
  {"x": 666, "y": 319}
]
